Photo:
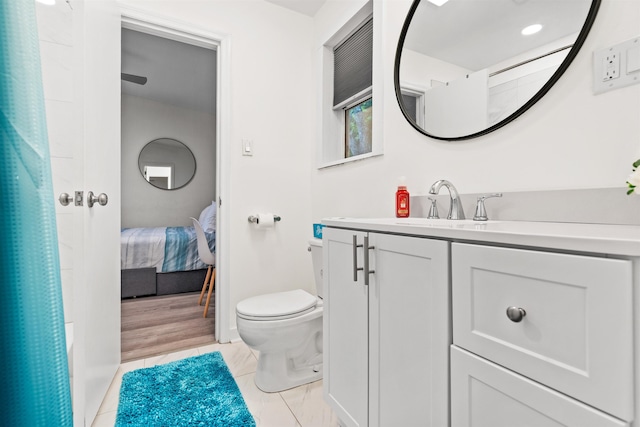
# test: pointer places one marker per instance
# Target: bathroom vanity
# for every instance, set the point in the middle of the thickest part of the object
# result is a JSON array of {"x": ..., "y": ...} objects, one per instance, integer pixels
[{"x": 456, "y": 322}]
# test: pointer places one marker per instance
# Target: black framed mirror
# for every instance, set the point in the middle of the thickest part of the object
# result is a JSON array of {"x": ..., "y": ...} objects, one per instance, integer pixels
[
  {"x": 465, "y": 68},
  {"x": 167, "y": 164}
]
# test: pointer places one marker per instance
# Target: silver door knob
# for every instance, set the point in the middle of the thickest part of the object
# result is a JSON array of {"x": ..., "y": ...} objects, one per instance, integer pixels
[
  {"x": 65, "y": 199},
  {"x": 102, "y": 199},
  {"x": 516, "y": 314}
]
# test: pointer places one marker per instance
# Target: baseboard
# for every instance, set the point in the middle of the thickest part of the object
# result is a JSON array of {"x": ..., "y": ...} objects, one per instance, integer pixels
[
  {"x": 231, "y": 336},
  {"x": 234, "y": 336}
]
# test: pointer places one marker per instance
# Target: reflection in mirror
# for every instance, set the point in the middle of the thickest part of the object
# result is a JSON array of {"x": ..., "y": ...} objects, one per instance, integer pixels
[
  {"x": 468, "y": 67},
  {"x": 166, "y": 163}
]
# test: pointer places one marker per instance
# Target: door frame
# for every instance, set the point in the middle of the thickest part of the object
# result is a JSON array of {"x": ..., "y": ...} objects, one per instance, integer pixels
[{"x": 146, "y": 22}]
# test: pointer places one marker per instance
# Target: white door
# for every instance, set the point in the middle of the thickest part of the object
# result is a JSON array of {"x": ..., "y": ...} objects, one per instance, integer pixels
[
  {"x": 345, "y": 322},
  {"x": 97, "y": 248},
  {"x": 409, "y": 331}
]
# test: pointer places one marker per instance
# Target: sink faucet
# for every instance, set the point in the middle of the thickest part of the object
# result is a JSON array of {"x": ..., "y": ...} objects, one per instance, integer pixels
[{"x": 455, "y": 207}]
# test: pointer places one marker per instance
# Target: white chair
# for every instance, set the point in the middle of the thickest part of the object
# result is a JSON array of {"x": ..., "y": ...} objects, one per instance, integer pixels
[{"x": 210, "y": 260}]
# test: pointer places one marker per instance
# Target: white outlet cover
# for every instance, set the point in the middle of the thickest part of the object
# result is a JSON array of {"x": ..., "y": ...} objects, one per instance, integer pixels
[
  {"x": 611, "y": 66},
  {"x": 624, "y": 65}
]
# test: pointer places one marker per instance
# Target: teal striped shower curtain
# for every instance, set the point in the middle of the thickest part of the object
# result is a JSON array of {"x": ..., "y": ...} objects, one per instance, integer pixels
[{"x": 34, "y": 377}]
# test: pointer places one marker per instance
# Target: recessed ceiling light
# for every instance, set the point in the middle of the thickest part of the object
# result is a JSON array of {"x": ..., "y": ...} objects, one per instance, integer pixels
[
  {"x": 531, "y": 29},
  {"x": 438, "y": 2},
  {"x": 47, "y": 2}
]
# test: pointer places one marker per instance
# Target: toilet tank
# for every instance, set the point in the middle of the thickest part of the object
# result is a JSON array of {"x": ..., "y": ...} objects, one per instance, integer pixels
[{"x": 315, "y": 247}]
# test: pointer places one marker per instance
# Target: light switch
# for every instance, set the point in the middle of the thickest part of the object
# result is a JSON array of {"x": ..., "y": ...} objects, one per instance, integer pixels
[
  {"x": 247, "y": 147},
  {"x": 633, "y": 59}
]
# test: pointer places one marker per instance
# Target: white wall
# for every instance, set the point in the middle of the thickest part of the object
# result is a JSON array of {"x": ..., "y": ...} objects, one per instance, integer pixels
[
  {"x": 144, "y": 205},
  {"x": 272, "y": 104},
  {"x": 571, "y": 139}
]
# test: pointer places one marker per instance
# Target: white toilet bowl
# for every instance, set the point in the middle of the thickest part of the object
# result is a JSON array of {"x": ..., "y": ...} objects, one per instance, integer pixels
[{"x": 286, "y": 328}]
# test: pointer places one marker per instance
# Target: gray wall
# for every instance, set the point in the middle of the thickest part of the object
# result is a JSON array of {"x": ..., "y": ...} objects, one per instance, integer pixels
[{"x": 143, "y": 121}]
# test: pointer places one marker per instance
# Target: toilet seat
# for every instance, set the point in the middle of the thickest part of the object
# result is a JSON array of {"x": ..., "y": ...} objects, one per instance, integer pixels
[{"x": 277, "y": 306}]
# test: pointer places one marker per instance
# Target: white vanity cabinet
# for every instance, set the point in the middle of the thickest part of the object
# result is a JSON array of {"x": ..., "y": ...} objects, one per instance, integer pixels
[
  {"x": 543, "y": 329},
  {"x": 567, "y": 344},
  {"x": 386, "y": 343}
]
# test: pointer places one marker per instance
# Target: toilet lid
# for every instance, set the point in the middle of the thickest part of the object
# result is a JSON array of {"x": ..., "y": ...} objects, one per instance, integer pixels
[{"x": 276, "y": 306}]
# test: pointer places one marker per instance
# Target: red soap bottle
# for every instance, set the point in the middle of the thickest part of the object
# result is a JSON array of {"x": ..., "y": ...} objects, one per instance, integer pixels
[{"x": 402, "y": 202}]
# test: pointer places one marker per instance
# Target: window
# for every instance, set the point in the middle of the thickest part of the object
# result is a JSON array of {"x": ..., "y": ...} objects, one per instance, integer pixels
[
  {"x": 352, "y": 81},
  {"x": 358, "y": 135},
  {"x": 346, "y": 132}
]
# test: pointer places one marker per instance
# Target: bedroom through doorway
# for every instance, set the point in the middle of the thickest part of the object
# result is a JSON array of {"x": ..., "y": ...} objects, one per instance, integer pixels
[{"x": 169, "y": 176}]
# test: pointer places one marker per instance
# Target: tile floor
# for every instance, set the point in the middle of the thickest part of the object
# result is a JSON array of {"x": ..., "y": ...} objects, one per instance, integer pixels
[{"x": 299, "y": 407}]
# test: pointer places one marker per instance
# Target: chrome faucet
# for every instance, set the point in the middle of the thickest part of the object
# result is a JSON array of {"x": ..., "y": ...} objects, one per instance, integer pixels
[
  {"x": 455, "y": 207},
  {"x": 481, "y": 212}
]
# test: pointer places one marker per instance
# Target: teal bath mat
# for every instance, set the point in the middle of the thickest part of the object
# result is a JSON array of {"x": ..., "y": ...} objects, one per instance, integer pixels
[{"x": 198, "y": 391}]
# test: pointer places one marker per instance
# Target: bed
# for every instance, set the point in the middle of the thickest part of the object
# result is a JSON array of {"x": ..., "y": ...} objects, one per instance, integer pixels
[{"x": 161, "y": 260}]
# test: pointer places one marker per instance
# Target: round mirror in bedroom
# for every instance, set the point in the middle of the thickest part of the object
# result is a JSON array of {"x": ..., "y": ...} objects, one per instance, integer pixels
[
  {"x": 167, "y": 164},
  {"x": 465, "y": 68}
]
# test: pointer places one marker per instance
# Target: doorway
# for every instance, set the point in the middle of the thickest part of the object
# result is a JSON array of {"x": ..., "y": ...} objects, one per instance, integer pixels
[{"x": 166, "y": 97}]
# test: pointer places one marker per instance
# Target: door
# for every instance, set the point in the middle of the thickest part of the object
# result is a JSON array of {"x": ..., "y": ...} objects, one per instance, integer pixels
[
  {"x": 346, "y": 317},
  {"x": 97, "y": 242},
  {"x": 410, "y": 331}
]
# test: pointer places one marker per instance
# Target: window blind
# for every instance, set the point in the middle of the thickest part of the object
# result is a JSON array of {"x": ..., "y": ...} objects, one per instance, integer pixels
[
  {"x": 410, "y": 105},
  {"x": 352, "y": 64}
]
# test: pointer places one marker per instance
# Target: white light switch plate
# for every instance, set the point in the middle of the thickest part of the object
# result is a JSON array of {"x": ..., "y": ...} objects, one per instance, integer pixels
[
  {"x": 633, "y": 59},
  {"x": 616, "y": 66}
]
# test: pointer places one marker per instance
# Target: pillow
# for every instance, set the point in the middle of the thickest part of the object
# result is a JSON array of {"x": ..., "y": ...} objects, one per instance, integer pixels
[
  {"x": 208, "y": 218},
  {"x": 203, "y": 215}
]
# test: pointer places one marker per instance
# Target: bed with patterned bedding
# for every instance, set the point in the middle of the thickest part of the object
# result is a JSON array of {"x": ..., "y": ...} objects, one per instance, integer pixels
[{"x": 161, "y": 260}]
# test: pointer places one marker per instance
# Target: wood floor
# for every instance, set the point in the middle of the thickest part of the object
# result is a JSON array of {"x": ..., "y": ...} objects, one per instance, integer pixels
[{"x": 162, "y": 324}]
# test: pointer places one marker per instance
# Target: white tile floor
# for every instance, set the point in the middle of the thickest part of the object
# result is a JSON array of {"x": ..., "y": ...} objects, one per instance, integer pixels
[{"x": 299, "y": 407}]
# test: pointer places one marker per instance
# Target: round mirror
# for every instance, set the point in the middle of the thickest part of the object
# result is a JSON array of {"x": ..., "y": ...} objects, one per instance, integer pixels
[
  {"x": 166, "y": 163},
  {"x": 465, "y": 68}
]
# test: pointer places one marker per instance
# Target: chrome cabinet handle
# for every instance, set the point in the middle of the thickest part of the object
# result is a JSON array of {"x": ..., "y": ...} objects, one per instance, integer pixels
[
  {"x": 102, "y": 199},
  {"x": 355, "y": 258},
  {"x": 516, "y": 314},
  {"x": 65, "y": 199},
  {"x": 366, "y": 271}
]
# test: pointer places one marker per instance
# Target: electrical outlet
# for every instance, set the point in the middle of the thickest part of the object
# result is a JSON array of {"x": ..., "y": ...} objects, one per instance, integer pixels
[
  {"x": 611, "y": 66},
  {"x": 616, "y": 66}
]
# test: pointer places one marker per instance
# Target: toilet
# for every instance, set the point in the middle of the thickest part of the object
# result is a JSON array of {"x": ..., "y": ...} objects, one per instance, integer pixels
[{"x": 286, "y": 328}]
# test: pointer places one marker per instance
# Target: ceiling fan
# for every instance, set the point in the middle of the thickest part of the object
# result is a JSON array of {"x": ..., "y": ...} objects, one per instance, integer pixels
[{"x": 133, "y": 78}]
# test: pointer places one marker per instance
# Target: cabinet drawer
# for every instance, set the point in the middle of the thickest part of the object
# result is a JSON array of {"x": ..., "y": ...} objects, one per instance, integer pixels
[
  {"x": 576, "y": 333},
  {"x": 486, "y": 395}
]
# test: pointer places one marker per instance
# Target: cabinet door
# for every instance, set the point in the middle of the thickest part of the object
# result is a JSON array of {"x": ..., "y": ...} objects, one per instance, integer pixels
[
  {"x": 409, "y": 331},
  {"x": 346, "y": 330},
  {"x": 486, "y": 395}
]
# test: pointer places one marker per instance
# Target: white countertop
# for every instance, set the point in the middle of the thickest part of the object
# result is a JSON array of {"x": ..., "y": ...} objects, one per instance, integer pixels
[{"x": 596, "y": 238}]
